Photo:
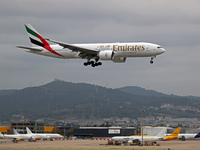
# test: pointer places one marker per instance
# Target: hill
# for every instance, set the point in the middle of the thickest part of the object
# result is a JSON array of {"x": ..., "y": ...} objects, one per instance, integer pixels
[
  {"x": 141, "y": 91},
  {"x": 60, "y": 99}
]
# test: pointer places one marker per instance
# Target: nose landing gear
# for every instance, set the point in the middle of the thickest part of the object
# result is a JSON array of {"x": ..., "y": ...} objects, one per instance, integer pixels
[{"x": 151, "y": 61}]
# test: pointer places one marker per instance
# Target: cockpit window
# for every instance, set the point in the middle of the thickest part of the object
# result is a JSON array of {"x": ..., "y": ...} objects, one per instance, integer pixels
[{"x": 159, "y": 47}]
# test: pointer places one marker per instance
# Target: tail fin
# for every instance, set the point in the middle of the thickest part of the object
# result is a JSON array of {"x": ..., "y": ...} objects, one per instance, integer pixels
[
  {"x": 37, "y": 40},
  {"x": 1, "y": 135},
  {"x": 161, "y": 133},
  {"x": 34, "y": 36},
  {"x": 14, "y": 131},
  {"x": 198, "y": 135},
  {"x": 28, "y": 131},
  {"x": 176, "y": 132}
]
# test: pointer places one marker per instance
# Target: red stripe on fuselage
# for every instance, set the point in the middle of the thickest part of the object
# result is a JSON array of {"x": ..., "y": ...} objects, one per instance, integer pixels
[{"x": 47, "y": 46}]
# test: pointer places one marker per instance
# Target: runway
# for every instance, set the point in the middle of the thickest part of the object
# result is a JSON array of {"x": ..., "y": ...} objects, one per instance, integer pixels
[{"x": 6, "y": 144}]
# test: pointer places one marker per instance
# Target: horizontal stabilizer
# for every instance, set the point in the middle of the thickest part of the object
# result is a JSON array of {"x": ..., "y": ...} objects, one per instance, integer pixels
[{"x": 31, "y": 48}]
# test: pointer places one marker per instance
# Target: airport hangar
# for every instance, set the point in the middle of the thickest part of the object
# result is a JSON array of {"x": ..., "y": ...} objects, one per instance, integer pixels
[
  {"x": 89, "y": 132},
  {"x": 83, "y": 132}
]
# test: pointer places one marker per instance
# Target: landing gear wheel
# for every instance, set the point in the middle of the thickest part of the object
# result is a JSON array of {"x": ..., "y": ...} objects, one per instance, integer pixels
[
  {"x": 99, "y": 63},
  {"x": 152, "y": 60},
  {"x": 92, "y": 63},
  {"x": 85, "y": 64}
]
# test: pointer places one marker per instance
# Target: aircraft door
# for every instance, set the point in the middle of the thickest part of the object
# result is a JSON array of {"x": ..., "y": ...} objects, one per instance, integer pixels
[{"x": 147, "y": 48}]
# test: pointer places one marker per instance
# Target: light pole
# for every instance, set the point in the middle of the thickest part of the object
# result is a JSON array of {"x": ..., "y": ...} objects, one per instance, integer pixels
[{"x": 142, "y": 110}]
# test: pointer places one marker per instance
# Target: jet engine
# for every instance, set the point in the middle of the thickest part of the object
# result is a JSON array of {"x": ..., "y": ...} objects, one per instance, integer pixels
[
  {"x": 119, "y": 59},
  {"x": 106, "y": 55}
]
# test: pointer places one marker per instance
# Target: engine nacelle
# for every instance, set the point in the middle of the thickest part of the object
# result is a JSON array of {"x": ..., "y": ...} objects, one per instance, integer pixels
[
  {"x": 119, "y": 59},
  {"x": 106, "y": 55}
]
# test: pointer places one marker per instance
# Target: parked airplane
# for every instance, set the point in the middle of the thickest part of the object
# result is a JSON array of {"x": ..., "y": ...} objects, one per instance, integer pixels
[
  {"x": 116, "y": 52},
  {"x": 16, "y": 137},
  {"x": 189, "y": 136},
  {"x": 42, "y": 135},
  {"x": 166, "y": 137},
  {"x": 183, "y": 137},
  {"x": 158, "y": 137},
  {"x": 172, "y": 136}
]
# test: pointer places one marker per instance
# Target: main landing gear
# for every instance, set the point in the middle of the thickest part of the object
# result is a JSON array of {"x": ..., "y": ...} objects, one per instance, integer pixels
[{"x": 92, "y": 63}]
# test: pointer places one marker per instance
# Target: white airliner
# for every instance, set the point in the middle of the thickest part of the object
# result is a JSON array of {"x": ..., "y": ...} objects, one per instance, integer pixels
[
  {"x": 129, "y": 139},
  {"x": 16, "y": 136},
  {"x": 189, "y": 136},
  {"x": 116, "y": 52},
  {"x": 42, "y": 135}
]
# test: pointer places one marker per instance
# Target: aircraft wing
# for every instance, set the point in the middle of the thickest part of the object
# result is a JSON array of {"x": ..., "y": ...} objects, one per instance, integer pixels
[
  {"x": 160, "y": 139},
  {"x": 31, "y": 48},
  {"x": 76, "y": 48}
]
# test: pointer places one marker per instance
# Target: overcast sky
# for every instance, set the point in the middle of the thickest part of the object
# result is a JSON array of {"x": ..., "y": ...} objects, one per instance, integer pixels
[{"x": 173, "y": 24}]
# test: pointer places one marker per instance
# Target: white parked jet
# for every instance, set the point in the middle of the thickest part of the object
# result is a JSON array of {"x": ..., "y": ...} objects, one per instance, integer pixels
[
  {"x": 116, "y": 52},
  {"x": 16, "y": 136},
  {"x": 42, "y": 135},
  {"x": 158, "y": 137},
  {"x": 189, "y": 136}
]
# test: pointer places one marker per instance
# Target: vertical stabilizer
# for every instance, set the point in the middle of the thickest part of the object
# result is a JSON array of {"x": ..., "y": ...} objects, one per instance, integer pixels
[
  {"x": 37, "y": 40},
  {"x": 161, "y": 133},
  {"x": 198, "y": 135},
  {"x": 14, "y": 131},
  {"x": 176, "y": 132},
  {"x": 1, "y": 135},
  {"x": 34, "y": 36},
  {"x": 28, "y": 131}
]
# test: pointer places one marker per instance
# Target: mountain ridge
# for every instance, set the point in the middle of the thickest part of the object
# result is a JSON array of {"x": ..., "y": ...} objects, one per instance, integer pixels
[{"x": 60, "y": 99}]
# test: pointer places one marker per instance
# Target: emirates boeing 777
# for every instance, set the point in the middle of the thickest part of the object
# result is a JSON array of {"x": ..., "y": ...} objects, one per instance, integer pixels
[{"x": 116, "y": 52}]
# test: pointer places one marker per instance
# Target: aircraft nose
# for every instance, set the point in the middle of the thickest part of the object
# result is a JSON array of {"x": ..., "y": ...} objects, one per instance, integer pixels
[{"x": 162, "y": 50}]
